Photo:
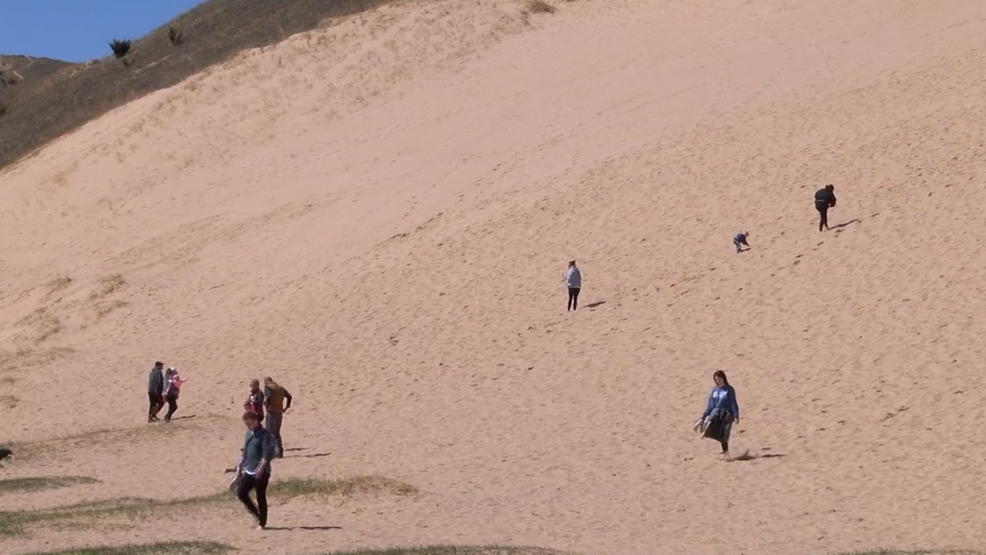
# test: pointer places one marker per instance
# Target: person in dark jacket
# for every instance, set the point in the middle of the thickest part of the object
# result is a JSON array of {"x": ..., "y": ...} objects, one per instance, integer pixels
[
  {"x": 721, "y": 412},
  {"x": 253, "y": 468},
  {"x": 739, "y": 240},
  {"x": 155, "y": 392},
  {"x": 824, "y": 199}
]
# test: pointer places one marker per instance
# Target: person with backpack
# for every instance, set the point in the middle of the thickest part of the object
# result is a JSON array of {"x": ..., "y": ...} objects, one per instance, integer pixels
[{"x": 824, "y": 199}]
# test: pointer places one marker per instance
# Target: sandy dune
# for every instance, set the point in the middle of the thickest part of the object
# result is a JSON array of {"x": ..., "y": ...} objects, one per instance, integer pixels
[{"x": 379, "y": 214}]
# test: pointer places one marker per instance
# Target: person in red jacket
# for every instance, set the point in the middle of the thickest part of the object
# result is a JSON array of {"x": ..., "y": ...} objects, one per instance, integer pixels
[{"x": 255, "y": 400}]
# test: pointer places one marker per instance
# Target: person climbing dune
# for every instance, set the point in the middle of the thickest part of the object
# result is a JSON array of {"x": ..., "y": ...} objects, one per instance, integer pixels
[
  {"x": 740, "y": 239},
  {"x": 824, "y": 199}
]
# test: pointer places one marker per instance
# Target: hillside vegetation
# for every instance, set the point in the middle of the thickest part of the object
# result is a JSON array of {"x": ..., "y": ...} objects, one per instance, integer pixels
[{"x": 54, "y": 97}]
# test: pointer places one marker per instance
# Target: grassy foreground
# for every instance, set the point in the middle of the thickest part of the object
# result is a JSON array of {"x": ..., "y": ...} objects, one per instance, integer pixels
[
  {"x": 163, "y": 548},
  {"x": 39, "y": 483},
  {"x": 453, "y": 550},
  {"x": 918, "y": 552},
  {"x": 13, "y": 523}
]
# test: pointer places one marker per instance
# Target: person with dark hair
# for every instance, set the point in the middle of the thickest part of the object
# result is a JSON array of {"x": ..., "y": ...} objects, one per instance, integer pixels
[
  {"x": 155, "y": 392},
  {"x": 721, "y": 411},
  {"x": 275, "y": 398},
  {"x": 253, "y": 468},
  {"x": 824, "y": 199},
  {"x": 255, "y": 399},
  {"x": 573, "y": 279}
]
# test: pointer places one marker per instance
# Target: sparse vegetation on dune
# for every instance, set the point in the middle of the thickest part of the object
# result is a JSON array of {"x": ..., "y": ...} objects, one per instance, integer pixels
[
  {"x": 48, "y": 107},
  {"x": 14, "y": 523},
  {"x": 120, "y": 47},
  {"x": 918, "y": 552},
  {"x": 161, "y": 548},
  {"x": 540, "y": 6},
  {"x": 42, "y": 483},
  {"x": 356, "y": 485},
  {"x": 453, "y": 550},
  {"x": 175, "y": 36}
]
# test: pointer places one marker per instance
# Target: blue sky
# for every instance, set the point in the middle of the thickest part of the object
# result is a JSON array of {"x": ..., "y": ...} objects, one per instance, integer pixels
[{"x": 78, "y": 30}]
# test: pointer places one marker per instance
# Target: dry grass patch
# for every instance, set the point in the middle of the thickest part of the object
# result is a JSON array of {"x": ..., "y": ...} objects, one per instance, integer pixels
[
  {"x": 918, "y": 552},
  {"x": 66, "y": 443},
  {"x": 453, "y": 550},
  {"x": 40, "y": 483},
  {"x": 346, "y": 487},
  {"x": 13, "y": 523},
  {"x": 540, "y": 6},
  {"x": 58, "y": 284},
  {"x": 108, "y": 286},
  {"x": 45, "y": 323},
  {"x": 161, "y": 548}
]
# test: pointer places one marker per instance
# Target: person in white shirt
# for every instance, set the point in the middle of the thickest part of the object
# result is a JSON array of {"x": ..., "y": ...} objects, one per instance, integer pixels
[{"x": 573, "y": 279}]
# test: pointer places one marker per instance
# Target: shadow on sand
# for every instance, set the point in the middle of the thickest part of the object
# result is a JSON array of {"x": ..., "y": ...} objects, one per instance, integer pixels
[
  {"x": 845, "y": 224},
  {"x": 747, "y": 456},
  {"x": 312, "y": 456},
  {"x": 595, "y": 304},
  {"x": 291, "y": 528}
]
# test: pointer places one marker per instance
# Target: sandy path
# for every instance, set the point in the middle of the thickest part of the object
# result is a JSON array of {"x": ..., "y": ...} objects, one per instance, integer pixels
[{"x": 391, "y": 246}]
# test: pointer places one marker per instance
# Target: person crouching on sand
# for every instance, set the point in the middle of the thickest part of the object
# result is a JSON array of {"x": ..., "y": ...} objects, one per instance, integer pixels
[
  {"x": 740, "y": 239},
  {"x": 253, "y": 468},
  {"x": 721, "y": 412}
]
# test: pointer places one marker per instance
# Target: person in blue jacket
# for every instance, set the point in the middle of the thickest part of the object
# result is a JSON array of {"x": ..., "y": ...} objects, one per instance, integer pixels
[{"x": 721, "y": 412}]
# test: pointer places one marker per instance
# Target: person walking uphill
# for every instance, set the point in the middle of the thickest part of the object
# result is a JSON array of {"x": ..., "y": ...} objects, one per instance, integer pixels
[
  {"x": 721, "y": 412},
  {"x": 573, "y": 279},
  {"x": 155, "y": 392},
  {"x": 824, "y": 199},
  {"x": 274, "y": 399},
  {"x": 253, "y": 468}
]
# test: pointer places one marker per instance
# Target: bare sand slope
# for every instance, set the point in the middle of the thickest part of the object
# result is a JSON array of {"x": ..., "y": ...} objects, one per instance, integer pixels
[{"x": 379, "y": 214}]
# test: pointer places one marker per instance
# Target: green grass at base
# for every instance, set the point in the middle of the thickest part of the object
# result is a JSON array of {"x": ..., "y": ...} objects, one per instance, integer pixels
[
  {"x": 162, "y": 548},
  {"x": 39, "y": 483}
]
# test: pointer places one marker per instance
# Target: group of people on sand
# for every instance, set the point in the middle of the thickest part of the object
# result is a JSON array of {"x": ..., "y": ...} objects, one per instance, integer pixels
[
  {"x": 722, "y": 408},
  {"x": 262, "y": 445},
  {"x": 163, "y": 387},
  {"x": 263, "y": 442}
]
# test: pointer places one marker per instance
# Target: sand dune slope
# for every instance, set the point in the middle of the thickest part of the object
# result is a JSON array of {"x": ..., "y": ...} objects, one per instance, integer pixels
[{"x": 379, "y": 214}]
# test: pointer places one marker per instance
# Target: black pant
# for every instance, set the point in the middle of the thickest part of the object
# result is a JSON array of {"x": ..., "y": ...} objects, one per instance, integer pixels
[
  {"x": 573, "y": 298},
  {"x": 155, "y": 405},
  {"x": 172, "y": 406},
  {"x": 823, "y": 210},
  {"x": 259, "y": 483}
]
